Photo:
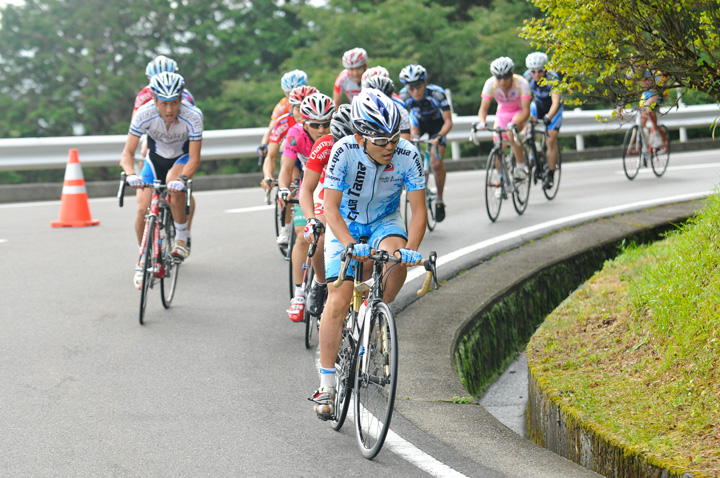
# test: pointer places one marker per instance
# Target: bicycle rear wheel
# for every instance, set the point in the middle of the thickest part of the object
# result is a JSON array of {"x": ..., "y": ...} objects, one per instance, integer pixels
[
  {"x": 147, "y": 266},
  {"x": 552, "y": 192},
  {"x": 632, "y": 152},
  {"x": 291, "y": 244},
  {"x": 431, "y": 199},
  {"x": 168, "y": 281},
  {"x": 661, "y": 155},
  {"x": 521, "y": 192},
  {"x": 493, "y": 186},
  {"x": 375, "y": 380},
  {"x": 344, "y": 375},
  {"x": 310, "y": 320}
]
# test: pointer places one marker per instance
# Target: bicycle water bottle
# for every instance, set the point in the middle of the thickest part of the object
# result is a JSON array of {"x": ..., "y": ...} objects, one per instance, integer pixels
[{"x": 360, "y": 319}]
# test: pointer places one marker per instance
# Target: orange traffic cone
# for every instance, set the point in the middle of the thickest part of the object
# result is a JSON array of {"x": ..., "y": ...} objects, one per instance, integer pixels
[{"x": 74, "y": 208}]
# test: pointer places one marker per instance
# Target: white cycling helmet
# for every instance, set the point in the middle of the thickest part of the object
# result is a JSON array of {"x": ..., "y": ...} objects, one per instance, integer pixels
[
  {"x": 536, "y": 61},
  {"x": 373, "y": 113},
  {"x": 375, "y": 70},
  {"x": 299, "y": 93},
  {"x": 341, "y": 124},
  {"x": 501, "y": 66},
  {"x": 381, "y": 83},
  {"x": 317, "y": 107},
  {"x": 291, "y": 79},
  {"x": 167, "y": 86},
  {"x": 160, "y": 64},
  {"x": 354, "y": 58},
  {"x": 412, "y": 73}
]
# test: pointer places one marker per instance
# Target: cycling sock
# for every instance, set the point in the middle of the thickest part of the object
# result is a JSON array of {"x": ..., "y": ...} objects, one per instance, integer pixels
[
  {"x": 299, "y": 292},
  {"x": 327, "y": 377},
  {"x": 181, "y": 232}
]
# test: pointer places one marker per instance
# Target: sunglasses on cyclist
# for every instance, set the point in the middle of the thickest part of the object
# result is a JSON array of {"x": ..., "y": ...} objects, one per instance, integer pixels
[
  {"x": 537, "y": 71},
  {"x": 504, "y": 77},
  {"x": 414, "y": 86},
  {"x": 382, "y": 141},
  {"x": 325, "y": 124}
]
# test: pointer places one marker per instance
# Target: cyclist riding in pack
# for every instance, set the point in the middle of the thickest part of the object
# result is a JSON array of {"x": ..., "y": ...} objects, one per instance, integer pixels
[
  {"x": 289, "y": 80},
  {"x": 283, "y": 125},
  {"x": 317, "y": 111},
  {"x": 159, "y": 64},
  {"x": 312, "y": 198},
  {"x": 429, "y": 113},
  {"x": 363, "y": 183},
  {"x": 379, "y": 80},
  {"x": 512, "y": 93},
  {"x": 348, "y": 81},
  {"x": 174, "y": 128},
  {"x": 547, "y": 105}
]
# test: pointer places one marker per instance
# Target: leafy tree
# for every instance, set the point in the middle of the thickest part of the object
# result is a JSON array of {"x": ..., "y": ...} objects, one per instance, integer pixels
[{"x": 598, "y": 41}]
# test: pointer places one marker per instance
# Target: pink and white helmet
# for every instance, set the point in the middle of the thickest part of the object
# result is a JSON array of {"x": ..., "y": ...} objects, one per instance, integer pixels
[
  {"x": 375, "y": 70},
  {"x": 354, "y": 58},
  {"x": 317, "y": 107}
]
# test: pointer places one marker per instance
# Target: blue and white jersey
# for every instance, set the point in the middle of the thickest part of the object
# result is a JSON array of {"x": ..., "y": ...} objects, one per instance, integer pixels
[
  {"x": 430, "y": 107},
  {"x": 404, "y": 115},
  {"x": 168, "y": 143},
  {"x": 371, "y": 191},
  {"x": 542, "y": 93}
]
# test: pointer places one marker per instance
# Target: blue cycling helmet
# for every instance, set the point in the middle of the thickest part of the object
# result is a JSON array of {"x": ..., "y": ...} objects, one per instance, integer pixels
[
  {"x": 167, "y": 86},
  {"x": 160, "y": 64},
  {"x": 291, "y": 79},
  {"x": 412, "y": 73},
  {"x": 373, "y": 113}
]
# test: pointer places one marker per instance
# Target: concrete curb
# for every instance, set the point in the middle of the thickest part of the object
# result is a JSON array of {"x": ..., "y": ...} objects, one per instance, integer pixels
[{"x": 432, "y": 328}]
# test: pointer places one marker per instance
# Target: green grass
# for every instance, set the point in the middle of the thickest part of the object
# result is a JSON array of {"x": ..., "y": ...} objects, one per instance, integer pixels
[{"x": 636, "y": 350}]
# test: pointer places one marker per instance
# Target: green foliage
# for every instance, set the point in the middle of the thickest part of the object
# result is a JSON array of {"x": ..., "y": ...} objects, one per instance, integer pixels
[{"x": 598, "y": 41}]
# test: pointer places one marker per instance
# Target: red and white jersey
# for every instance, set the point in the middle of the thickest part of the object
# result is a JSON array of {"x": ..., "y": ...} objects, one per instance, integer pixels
[
  {"x": 282, "y": 125},
  {"x": 145, "y": 95},
  {"x": 344, "y": 84},
  {"x": 318, "y": 160}
]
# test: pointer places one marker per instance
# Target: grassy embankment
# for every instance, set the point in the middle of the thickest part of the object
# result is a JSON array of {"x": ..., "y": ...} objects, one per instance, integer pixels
[{"x": 636, "y": 351}]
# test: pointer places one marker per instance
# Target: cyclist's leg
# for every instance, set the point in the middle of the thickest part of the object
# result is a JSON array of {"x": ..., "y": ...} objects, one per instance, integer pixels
[
  {"x": 388, "y": 234},
  {"x": 438, "y": 166},
  {"x": 503, "y": 116},
  {"x": 177, "y": 206},
  {"x": 553, "y": 132},
  {"x": 300, "y": 249}
]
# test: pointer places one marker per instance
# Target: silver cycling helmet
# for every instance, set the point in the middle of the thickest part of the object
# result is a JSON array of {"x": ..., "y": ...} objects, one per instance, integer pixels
[
  {"x": 342, "y": 124},
  {"x": 501, "y": 66},
  {"x": 373, "y": 113},
  {"x": 381, "y": 83},
  {"x": 375, "y": 70},
  {"x": 536, "y": 61},
  {"x": 167, "y": 86},
  {"x": 291, "y": 79},
  {"x": 354, "y": 58},
  {"x": 160, "y": 64},
  {"x": 412, "y": 73}
]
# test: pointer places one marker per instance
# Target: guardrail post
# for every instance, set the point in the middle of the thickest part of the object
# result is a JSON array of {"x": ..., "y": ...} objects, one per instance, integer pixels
[
  {"x": 681, "y": 104},
  {"x": 579, "y": 140}
]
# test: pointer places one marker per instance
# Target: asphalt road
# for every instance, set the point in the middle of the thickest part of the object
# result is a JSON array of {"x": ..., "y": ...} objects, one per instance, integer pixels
[{"x": 218, "y": 385}]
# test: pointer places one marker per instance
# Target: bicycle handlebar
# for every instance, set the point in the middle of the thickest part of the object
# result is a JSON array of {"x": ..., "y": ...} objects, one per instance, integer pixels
[
  {"x": 159, "y": 187},
  {"x": 416, "y": 141},
  {"x": 474, "y": 130}
]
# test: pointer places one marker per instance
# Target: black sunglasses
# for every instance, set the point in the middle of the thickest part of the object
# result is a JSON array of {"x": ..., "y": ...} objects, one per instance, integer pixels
[
  {"x": 414, "y": 86},
  {"x": 326, "y": 124},
  {"x": 505, "y": 76}
]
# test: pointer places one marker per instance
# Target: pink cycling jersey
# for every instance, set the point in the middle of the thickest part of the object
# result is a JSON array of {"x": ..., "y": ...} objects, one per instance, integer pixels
[
  {"x": 345, "y": 84},
  {"x": 298, "y": 145},
  {"x": 509, "y": 103}
]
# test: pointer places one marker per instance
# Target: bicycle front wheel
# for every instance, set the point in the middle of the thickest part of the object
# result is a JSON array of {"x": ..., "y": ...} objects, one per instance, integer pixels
[
  {"x": 375, "y": 380},
  {"x": 552, "y": 192},
  {"x": 632, "y": 152},
  {"x": 661, "y": 155},
  {"x": 168, "y": 281},
  {"x": 344, "y": 376},
  {"x": 521, "y": 191},
  {"x": 430, "y": 199},
  {"x": 147, "y": 266},
  {"x": 493, "y": 186}
]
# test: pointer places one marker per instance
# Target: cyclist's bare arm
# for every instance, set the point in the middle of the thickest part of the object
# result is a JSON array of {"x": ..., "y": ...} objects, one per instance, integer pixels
[
  {"x": 555, "y": 105},
  {"x": 418, "y": 221},
  {"x": 193, "y": 163},
  {"x": 447, "y": 123},
  {"x": 269, "y": 164},
  {"x": 266, "y": 136},
  {"x": 310, "y": 181},
  {"x": 484, "y": 108},
  {"x": 337, "y": 98},
  {"x": 287, "y": 166},
  {"x": 128, "y": 154},
  {"x": 523, "y": 115}
]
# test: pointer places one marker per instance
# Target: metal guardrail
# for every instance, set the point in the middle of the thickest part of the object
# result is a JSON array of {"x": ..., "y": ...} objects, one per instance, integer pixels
[{"x": 52, "y": 153}]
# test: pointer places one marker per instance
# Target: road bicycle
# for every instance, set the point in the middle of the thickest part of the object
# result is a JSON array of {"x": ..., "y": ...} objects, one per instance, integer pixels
[
  {"x": 312, "y": 322},
  {"x": 535, "y": 144},
  {"x": 641, "y": 149},
  {"x": 367, "y": 360},
  {"x": 156, "y": 260},
  {"x": 424, "y": 147},
  {"x": 503, "y": 176}
]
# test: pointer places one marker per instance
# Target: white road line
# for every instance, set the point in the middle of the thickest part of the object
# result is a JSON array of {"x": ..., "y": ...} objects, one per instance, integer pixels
[
  {"x": 250, "y": 209},
  {"x": 3, "y": 240},
  {"x": 679, "y": 168}
]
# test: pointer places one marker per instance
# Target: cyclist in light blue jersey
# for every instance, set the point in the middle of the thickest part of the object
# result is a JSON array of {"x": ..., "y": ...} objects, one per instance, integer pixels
[
  {"x": 429, "y": 113},
  {"x": 363, "y": 182}
]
